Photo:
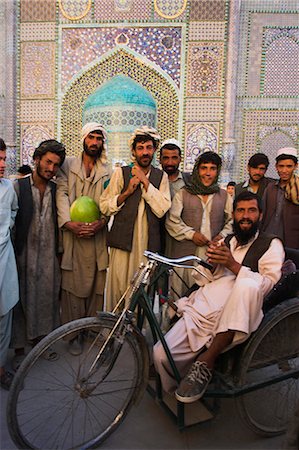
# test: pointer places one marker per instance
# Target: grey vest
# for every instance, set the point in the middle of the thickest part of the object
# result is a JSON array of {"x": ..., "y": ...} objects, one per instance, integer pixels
[
  {"x": 122, "y": 230},
  {"x": 192, "y": 216}
]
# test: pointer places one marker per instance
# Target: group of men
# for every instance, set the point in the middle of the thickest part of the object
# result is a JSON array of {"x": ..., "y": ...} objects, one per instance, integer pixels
[{"x": 200, "y": 220}]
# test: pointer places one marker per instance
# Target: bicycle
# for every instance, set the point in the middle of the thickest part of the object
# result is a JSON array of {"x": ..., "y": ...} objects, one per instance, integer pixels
[{"x": 78, "y": 401}]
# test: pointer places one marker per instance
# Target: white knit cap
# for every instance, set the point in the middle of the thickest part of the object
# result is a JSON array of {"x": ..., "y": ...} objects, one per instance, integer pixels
[
  {"x": 287, "y": 151},
  {"x": 172, "y": 142},
  {"x": 94, "y": 126}
]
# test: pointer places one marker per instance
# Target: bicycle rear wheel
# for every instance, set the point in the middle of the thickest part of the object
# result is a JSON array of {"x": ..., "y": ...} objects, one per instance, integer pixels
[
  {"x": 55, "y": 404},
  {"x": 272, "y": 352}
]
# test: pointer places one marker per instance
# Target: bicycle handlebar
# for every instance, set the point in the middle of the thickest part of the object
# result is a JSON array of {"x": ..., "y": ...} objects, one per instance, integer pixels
[{"x": 177, "y": 262}]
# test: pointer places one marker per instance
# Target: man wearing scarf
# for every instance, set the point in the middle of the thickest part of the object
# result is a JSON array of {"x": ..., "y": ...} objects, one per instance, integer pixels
[
  {"x": 85, "y": 255},
  {"x": 281, "y": 200},
  {"x": 201, "y": 213},
  {"x": 138, "y": 197}
]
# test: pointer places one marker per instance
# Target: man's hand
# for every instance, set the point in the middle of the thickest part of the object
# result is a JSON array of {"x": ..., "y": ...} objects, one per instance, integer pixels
[
  {"x": 85, "y": 230},
  {"x": 200, "y": 239},
  {"x": 132, "y": 186},
  {"x": 222, "y": 255},
  {"x": 136, "y": 171}
]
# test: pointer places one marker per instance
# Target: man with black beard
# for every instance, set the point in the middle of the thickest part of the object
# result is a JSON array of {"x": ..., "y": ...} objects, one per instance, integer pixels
[
  {"x": 228, "y": 305},
  {"x": 36, "y": 245},
  {"x": 138, "y": 197},
  {"x": 85, "y": 255}
]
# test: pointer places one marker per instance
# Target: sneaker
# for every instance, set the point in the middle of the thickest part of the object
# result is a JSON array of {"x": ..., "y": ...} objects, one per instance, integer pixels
[
  {"x": 194, "y": 384},
  {"x": 76, "y": 346}
]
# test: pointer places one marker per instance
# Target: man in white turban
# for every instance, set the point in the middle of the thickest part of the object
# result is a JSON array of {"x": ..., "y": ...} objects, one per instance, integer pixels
[
  {"x": 138, "y": 197},
  {"x": 85, "y": 256}
]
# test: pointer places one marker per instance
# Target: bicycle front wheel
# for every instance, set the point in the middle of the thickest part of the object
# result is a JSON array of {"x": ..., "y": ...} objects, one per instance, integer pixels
[{"x": 59, "y": 404}]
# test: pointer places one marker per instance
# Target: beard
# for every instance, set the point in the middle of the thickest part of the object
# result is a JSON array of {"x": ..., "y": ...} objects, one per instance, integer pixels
[
  {"x": 93, "y": 151},
  {"x": 171, "y": 170},
  {"x": 144, "y": 161},
  {"x": 244, "y": 236}
]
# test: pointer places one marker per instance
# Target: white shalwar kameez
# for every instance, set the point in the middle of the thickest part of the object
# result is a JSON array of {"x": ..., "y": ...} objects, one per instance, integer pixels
[
  {"x": 226, "y": 302},
  {"x": 123, "y": 264}
]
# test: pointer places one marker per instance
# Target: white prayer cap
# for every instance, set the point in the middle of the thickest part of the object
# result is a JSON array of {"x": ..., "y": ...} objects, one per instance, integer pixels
[
  {"x": 172, "y": 142},
  {"x": 289, "y": 151}
]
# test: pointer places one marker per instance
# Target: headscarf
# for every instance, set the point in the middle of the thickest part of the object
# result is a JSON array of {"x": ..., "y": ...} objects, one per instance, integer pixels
[
  {"x": 196, "y": 187},
  {"x": 292, "y": 190},
  {"x": 94, "y": 126},
  {"x": 145, "y": 131}
]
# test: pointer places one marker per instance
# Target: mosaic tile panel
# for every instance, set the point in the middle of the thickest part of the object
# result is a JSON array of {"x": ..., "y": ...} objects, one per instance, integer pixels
[
  {"x": 37, "y": 70},
  {"x": 205, "y": 65},
  {"x": 38, "y": 10},
  {"x": 31, "y": 136},
  {"x": 271, "y": 138},
  {"x": 124, "y": 63},
  {"x": 207, "y": 31},
  {"x": 209, "y": 109},
  {"x": 207, "y": 10},
  {"x": 37, "y": 110},
  {"x": 169, "y": 9},
  {"x": 39, "y": 31},
  {"x": 281, "y": 52},
  {"x": 74, "y": 9},
  {"x": 117, "y": 10},
  {"x": 254, "y": 125},
  {"x": 81, "y": 46},
  {"x": 200, "y": 137},
  {"x": 257, "y": 22}
]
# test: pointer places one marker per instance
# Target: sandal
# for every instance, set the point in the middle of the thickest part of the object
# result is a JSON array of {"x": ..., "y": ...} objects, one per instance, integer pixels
[
  {"x": 6, "y": 380},
  {"x": 50, "y": 355}
]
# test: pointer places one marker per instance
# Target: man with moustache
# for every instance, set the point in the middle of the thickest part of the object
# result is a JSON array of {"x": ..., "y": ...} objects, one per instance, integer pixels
[
  {"x": 138, "y": 197},
  {"x": 257, "y": 183},
  {"x": 170, "y": 160},
  {"x": 228, "y": 305},
  {"x": 36, "y": 245},
  {"x": 85, "y": 256},
  {"x": 281, "y": 199}
]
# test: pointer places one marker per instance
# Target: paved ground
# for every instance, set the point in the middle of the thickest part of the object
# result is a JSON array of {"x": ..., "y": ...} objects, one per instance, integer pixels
[{"x": 148, "y": 427}]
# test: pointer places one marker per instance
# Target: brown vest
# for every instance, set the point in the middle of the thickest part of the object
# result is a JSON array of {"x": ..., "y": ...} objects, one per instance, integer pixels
[
  {"x": 122, "y": 230},
  {"x": 192, "y": 216}
]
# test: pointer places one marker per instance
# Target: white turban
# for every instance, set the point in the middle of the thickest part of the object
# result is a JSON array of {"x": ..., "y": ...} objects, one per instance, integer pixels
[
  {"x": 94, "y": 126},
  {"x": 145, "y": 131}
]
